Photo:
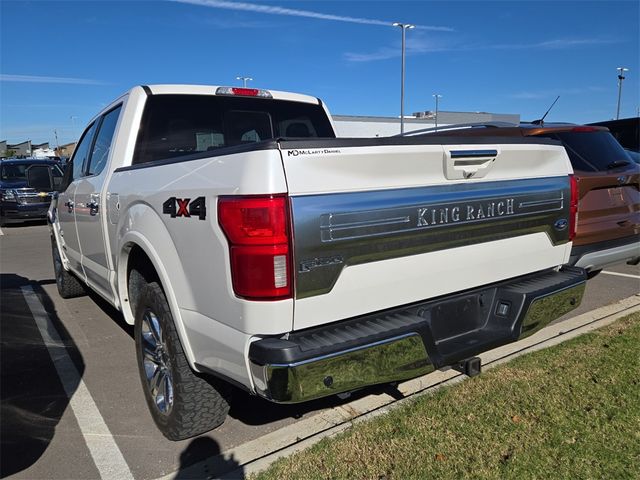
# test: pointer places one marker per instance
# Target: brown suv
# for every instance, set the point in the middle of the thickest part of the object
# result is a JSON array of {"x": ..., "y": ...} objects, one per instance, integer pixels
[{"x": 608, "y": 190}]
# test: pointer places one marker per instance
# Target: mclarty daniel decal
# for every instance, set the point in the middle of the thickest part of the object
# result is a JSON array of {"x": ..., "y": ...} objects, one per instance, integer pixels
[{"x": 321, "y": 151}]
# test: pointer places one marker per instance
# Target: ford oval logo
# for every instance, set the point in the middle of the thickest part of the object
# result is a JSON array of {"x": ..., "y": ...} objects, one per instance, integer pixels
[
  {"x": 622, "y": 179},
  {"x": 561, "y": 224}
]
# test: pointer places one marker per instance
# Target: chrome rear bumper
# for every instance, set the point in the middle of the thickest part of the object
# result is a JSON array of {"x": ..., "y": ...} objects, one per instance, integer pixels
[
  {"x": 397, "y": 358},
  {"x": 419, "y": 341}
]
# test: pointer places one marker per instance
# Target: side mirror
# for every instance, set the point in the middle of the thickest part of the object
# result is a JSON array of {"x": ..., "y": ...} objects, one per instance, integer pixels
[{"x": 39, "y": 178}]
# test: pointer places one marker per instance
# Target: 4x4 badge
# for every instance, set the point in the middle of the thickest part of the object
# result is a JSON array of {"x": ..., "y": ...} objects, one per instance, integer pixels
[{"x": 185, "y": 207}]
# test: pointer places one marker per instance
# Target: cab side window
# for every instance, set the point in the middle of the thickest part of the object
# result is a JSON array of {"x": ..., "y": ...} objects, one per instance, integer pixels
[
  {"x": 102, "y": 145},
  {"x": 81, "y": 154},
  {"x": 75, "y": 168}
]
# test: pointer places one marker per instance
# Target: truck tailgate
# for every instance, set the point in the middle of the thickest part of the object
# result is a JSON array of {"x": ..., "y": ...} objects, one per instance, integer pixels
[{"x": 379, "y": 223}]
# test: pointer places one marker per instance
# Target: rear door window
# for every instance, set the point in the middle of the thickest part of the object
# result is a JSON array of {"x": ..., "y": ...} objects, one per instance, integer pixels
[
  {"x": 81, "y": 154},
  {"x": 102, "y": 145},
  {"x": 593, "y": 151},
  {"x": 180, "y": 125}
]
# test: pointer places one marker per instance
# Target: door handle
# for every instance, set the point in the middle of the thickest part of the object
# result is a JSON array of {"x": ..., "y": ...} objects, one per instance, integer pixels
[
  {"x": 93, "y": 208},
  {"x": 69, "y": 205}
]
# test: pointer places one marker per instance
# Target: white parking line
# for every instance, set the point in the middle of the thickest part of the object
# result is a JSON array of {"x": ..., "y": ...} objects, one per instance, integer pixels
[
  {"x": 1, "y": 232},
  {"x": 102, "y": 446},
  {"x": 628, "y": 275}
]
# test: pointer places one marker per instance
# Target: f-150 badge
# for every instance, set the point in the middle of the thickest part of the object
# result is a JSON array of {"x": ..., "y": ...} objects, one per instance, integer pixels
[{"x": 185, "y": 207}]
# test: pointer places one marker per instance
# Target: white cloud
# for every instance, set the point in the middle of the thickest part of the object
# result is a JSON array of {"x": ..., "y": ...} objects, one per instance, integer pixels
[
  {"x": 555, "y": 44},
  {"x": 274, "y": 10},
  {"x": 230, "y": 24},
  {"x": 414, "y": 46},
  {"x": 383, "y": 53},
  {"x": 5, "y": 77},
  {"x": 541, "y": 94},
  {"x": 423, "y": 45},
  {"x": 530, "y": 95}
]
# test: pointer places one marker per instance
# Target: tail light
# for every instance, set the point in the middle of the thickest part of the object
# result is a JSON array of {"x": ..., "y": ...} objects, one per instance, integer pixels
[
  {"x": 573, "y": 207},
  {"x": 258, "y": 232}
]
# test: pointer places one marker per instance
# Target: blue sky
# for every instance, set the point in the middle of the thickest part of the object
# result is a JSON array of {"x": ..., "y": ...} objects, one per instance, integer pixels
[{"x": 61, "y": 62}]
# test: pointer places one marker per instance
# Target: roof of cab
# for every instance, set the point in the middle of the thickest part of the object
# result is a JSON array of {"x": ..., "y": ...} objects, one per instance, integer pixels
[{"x": 211, "y": 90}]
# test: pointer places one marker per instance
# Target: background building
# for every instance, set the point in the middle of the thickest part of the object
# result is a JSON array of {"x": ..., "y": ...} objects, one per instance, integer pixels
[
  {"x": 370, "y": 126},
  {"x": 19, "y": 149},
  {"x": 42, "y": 146},
  {"x": 66, "y": 150},
  {"x": 28, "y": 149}
]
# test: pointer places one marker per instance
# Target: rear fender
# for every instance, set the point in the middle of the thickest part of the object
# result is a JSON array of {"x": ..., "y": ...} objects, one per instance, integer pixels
[{"x": 140, "y": 224}]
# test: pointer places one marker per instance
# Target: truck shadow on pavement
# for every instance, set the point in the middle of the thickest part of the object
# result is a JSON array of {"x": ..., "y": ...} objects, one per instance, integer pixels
[
  {"x": 25, "y": 223},
  {"x": 254, "y": 410},
  {"x": 110, "y": 311},
  {"x": 32, "y": 398},
  {"x": 202, "y": 459}
]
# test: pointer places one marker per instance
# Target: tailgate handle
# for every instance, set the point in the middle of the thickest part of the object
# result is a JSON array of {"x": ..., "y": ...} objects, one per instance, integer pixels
[
  {"x": 473, "y": 153},
  {"x": 469, "y": 163}
]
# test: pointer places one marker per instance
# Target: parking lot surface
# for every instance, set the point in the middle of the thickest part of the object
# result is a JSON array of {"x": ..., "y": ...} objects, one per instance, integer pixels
[{"x": 72, "y": 404}]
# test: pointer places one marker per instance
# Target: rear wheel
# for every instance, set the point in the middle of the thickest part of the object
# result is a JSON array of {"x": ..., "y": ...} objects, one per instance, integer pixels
[
  {"x": 182, "y": 403},
  {"x": 68, "y": 285}
]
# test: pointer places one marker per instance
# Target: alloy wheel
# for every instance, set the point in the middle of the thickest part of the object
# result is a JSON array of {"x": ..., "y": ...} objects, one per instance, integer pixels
[{"x": 156, "y": 363}]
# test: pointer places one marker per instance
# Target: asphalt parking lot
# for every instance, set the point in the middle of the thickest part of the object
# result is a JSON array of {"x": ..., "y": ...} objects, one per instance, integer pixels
[{"x": 72, "y": 404}]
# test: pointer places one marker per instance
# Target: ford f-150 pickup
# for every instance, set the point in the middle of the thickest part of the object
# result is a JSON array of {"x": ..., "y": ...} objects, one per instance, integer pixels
[{"x": 250, "y": 247}]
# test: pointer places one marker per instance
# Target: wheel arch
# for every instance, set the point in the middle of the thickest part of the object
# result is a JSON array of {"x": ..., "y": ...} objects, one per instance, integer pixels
[{"x": 139, "y": 254}]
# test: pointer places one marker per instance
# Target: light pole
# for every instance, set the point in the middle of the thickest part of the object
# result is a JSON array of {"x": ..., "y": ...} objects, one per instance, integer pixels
[
  {"x": 73, "y": 127},
  {"x": 245, "y": 80},
  {"x": 621, "y": 77},
  {"x": 437, "y": 97},
  {"x": 403, "y": 27}
]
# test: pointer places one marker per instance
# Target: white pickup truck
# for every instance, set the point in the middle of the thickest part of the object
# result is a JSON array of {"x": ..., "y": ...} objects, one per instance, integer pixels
[{"x": 250, "y": 247}]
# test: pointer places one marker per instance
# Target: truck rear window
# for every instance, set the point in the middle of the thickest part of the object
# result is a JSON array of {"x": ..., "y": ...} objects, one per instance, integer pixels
[
  {"x": 593, "y": 151},
  {"x": 177, "y": 125}
]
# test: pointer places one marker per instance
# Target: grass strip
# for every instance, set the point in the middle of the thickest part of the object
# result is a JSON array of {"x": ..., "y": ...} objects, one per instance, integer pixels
[{"x": 569, "y": 411}]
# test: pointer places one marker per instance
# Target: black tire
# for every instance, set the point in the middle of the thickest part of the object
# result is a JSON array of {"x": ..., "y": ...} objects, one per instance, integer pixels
[
  {"x": 68, "y": 285},
  {"x": 192, "y": 404}
]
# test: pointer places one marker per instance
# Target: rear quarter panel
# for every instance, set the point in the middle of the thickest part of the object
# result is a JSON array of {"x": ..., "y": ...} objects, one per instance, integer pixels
[{"x": 201, "y": 277}]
